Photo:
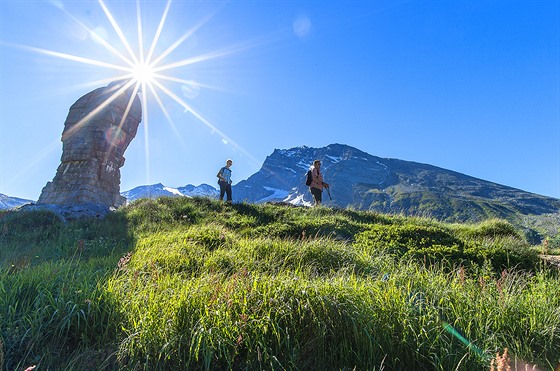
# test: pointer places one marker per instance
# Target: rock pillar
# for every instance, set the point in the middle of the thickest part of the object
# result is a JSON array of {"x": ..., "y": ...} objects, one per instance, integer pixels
[{"x": 97, "y": 131}]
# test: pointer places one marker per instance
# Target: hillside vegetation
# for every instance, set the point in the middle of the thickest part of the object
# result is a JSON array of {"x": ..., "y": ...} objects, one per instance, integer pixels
[{"x": 193, "y": 283}]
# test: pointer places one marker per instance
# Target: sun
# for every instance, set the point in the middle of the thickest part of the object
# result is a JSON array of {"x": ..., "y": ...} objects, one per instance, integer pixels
[{"x": 143, "y": 73}]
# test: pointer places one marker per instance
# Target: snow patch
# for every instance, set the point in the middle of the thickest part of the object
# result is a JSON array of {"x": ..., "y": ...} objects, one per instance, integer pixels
[
  {"x": 173, "y": 191},
  {"x": 278, "y": 194},
  {"x": 292, "y": 152},
  {"x": 379, "y": 163},
  {"x": 334, "y": 159},
  {"x": 304, "y": 165},
  {"x": 298, "y": 200}
]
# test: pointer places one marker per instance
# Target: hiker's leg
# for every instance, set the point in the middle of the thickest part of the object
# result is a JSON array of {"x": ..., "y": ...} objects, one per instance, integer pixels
[
  {"x": 316, "y": 192},
  {"x": 228, "y": 192},
  {"x": 222, "y": 190}
]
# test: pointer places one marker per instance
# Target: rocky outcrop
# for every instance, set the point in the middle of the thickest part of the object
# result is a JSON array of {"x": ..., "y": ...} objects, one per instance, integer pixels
[{"x": 97, "y": 131}]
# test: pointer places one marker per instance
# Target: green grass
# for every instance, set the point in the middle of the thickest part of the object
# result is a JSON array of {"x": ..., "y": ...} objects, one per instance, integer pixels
[{"x": 179, "y": 283}]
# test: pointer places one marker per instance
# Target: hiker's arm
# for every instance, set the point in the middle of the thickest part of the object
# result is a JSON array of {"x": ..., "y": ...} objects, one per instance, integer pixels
[
  {"x": 219, "y": 175},
  {"x": 326, "y": 185}
]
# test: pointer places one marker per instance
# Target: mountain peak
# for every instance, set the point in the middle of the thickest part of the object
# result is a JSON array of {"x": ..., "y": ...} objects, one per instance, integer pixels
[{"x": 367, "y": 182}]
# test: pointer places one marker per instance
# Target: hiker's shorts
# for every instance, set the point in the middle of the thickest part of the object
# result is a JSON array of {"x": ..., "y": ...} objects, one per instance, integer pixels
[{"x": 317, "y": 194}]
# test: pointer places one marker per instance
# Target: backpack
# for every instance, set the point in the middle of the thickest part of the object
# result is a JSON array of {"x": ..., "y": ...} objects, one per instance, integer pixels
[{"x": 309, "y": 178}]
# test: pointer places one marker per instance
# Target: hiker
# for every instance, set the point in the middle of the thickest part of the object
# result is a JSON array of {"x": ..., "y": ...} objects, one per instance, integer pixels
[
  {"x": 317, "y": 184},
  {"x": 224, "y": 180}
]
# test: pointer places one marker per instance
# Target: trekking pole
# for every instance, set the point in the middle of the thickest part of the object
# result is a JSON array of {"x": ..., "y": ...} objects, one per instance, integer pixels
[{"x": 329, "y": 192}]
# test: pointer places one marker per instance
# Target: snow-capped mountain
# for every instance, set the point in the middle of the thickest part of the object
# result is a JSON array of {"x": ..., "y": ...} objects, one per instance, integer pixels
[
  {"x": 158, "y": 190},
  {"x": 203, "y": 190},
  {"x": 282, "y": 176},
  {"x": 7, "y": 202},
  {"x": 367, "y": 182}
]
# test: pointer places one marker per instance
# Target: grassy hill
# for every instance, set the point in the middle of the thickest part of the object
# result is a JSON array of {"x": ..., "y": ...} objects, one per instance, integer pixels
[{"x": 193, "y": 283}]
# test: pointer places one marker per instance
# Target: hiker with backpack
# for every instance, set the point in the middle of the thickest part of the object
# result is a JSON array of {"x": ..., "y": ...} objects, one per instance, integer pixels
[
  {"x": 315, "y": 182},
  {"x": 224, "y": 180}
]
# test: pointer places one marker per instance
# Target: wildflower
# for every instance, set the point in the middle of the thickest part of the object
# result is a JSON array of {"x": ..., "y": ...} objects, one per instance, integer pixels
[
  {"x": 482, "y": 282},
  {"x": 545, "y": 246},
  {"x": 123, "y": 262},
  {"x": 500, "y": 362},
  {"x": 500, "y": 284},
  {"x": 461, "y": 274}
]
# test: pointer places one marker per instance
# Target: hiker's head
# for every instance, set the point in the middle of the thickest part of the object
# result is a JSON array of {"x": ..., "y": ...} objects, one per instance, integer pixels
[
  {"x": 317, "y": 163},
  {"x": 229, "y": 163}
]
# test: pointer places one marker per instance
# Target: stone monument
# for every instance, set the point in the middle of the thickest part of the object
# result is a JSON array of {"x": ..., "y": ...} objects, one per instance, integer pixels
[{"x": 97, "y": 131}]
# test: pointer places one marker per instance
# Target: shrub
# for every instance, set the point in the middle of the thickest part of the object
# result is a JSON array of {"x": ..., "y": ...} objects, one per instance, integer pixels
[
  {"x": 494, "y": 228},
  {"x": 495, "y": 241},
  {"x": 397, "y": 240},
  {"x": 503, "y": 252},
  {"x": 554, "y": 242}
]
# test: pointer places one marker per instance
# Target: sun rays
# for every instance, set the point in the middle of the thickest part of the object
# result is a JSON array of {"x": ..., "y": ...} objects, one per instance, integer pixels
[{"x": 136, "y": 64}]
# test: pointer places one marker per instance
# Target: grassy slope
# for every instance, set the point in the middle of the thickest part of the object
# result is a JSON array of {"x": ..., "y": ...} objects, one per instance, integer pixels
[{"x": 179, "y": 283}]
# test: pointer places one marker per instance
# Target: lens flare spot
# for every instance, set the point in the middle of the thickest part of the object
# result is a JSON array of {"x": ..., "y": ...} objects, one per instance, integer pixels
[
  {"x": 190, "y": 90},
  {"x": 302, "y": 26},
  {"x": 98, "y": 34},
  {"x": 57, "y": 3},
  {"x": 115, "y": 136}
]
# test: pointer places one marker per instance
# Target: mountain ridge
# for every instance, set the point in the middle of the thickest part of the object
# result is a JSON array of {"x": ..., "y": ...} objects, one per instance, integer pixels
[
  {"x": 9, "y": 202},
  {"x": 366, "y": 182},
  {"x": 159, "y": 190},
  {"x": 386, "y": 185}
]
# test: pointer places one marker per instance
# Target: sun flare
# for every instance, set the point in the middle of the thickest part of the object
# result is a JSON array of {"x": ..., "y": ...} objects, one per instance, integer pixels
[
  {"x": 144, "y": 70},
  {"x": 143, "y": 73}
]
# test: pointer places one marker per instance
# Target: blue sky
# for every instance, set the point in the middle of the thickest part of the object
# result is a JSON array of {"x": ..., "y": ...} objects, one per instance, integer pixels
[{"x": 470, "y": 86}]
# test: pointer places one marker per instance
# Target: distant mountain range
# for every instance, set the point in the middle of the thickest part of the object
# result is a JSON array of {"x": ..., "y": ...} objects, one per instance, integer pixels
[
  {"x": 7, "y": 202},
  {"x": 362, "y": 181},
  {"x": 158, "y": 190}
]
